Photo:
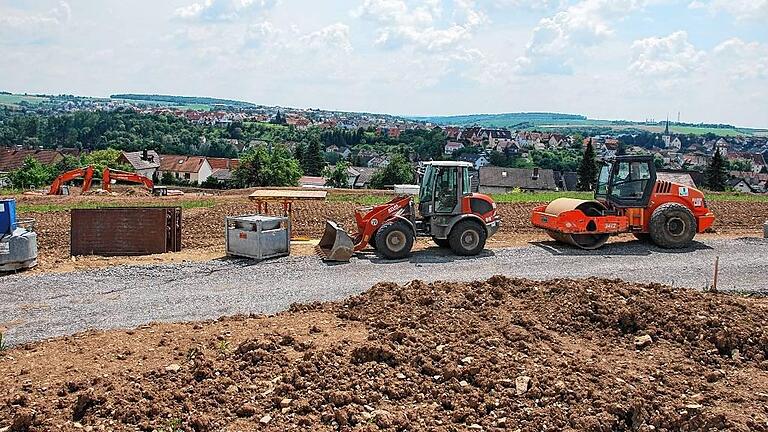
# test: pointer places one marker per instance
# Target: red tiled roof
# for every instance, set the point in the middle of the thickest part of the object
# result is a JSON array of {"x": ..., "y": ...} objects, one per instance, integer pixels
[
  {"x": 223, "y": 163},
  {"x": 184, "y": 164},
  {"x": 12, "y": 159}
]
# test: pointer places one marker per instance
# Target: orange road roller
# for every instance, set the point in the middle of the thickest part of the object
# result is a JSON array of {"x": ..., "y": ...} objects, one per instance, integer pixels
[{"x": 628, "y": 199}]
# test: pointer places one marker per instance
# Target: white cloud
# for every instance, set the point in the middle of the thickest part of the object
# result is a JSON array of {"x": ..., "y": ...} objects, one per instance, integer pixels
[
  {"x": 401, "y": 25},
  {"x": 742, "y": 61},
  {"x": 665, "y": 57},
  {"x": 259, "y": 34},
  {"x": 221, "y": 10},
  {"x": 557, "y": 40},
  {"x": 334, "y": 36},
  {"x": 31, "y": 28},
  {"x": 741, "y": 9}
]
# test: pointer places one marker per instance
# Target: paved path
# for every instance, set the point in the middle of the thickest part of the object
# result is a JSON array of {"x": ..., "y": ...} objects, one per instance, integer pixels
[{"x": 40, "y": 306}]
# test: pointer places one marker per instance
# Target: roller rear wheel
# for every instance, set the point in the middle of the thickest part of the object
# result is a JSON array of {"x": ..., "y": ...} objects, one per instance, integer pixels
[{"x": 672, "y": 225}]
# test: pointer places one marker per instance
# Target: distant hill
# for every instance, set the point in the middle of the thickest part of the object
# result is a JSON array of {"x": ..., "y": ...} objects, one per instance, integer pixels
[
  {"x": 182, "y": 100},
  {"x": 507, "y": 119}
]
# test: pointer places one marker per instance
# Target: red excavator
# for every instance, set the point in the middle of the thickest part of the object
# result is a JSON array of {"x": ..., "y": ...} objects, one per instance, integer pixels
[
  {"x": 628, "y": 199},
  {"x": 110, "y": 174},
  {"x": 86, "y": 173},
  {"x": 450, "y": 213}
]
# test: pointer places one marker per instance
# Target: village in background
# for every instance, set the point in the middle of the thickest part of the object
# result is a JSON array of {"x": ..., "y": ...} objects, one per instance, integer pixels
[{"x": 203, "y": 142}]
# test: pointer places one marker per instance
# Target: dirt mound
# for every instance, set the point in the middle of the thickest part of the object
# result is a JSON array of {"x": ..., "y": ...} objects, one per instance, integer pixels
[{"x": 600, "y": 355}]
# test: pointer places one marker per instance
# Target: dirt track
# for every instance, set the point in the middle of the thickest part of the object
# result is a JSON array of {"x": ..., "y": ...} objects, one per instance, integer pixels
[
  {"x": 593, "y": 355},
  {"x": 202, "y": 227}
]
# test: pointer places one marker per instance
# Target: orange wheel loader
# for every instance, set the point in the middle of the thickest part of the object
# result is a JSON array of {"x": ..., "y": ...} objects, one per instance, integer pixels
[
  {"x": 449, "y": 213},
  {"x": 628, "y": 199}
]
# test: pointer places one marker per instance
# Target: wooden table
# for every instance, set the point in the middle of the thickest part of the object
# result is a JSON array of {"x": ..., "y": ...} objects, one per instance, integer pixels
[{"x": 285, "y": 197}]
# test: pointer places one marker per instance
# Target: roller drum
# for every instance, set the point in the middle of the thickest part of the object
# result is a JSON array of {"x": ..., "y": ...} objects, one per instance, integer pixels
[{"x": 586, "y": 241}]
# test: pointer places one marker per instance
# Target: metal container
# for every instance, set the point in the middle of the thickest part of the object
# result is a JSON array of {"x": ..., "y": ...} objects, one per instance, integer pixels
[
  {"x": 125, "y": 231},
  {"x": 258, "y": 236}
]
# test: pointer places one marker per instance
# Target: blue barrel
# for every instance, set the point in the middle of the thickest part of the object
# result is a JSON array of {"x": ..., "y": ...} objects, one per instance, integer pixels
[{"x": 7, "y": 216}]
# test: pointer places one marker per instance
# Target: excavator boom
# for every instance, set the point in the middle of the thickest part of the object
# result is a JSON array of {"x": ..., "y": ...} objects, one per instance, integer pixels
[
  {"x": 86, "y": 173},
  {"x": 109, "y": 175}
]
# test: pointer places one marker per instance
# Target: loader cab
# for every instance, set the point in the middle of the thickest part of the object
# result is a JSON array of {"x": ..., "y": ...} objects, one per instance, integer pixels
[
  {"x": 442, "y": 187},
  {"x": 626, "y": 181}
]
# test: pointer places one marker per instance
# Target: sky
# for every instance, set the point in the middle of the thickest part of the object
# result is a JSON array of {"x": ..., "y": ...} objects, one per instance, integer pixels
[{"x": 607, "y": 59}]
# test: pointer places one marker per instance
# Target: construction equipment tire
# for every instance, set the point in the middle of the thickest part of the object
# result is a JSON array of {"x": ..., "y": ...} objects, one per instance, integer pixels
[
  {"x": 443, "y": 243},
  {"x": 672, "y": 225},
  {"x": 394, "y": 240},
  {"x": 643, "y": 237},
  {"x": 372, "y": 241},
  {"x": 467, "y": 238}
]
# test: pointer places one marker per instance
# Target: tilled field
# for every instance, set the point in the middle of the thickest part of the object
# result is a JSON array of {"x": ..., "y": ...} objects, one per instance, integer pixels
[
  {"x": 589, "y": 355},
  {"x": 203, "y": 227}
]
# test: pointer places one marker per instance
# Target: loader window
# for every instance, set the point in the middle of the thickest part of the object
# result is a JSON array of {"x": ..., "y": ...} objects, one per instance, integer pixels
[
  {"x": 427, "y": 185},
  {"x": 446, "y": 190},
  {"x": 466, "y": 182}
]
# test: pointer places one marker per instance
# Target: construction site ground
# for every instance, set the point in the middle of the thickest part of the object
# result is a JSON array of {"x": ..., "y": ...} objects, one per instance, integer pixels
[
  {"x": 181, "y": 342},
  {"x": 203, "y": 224}
]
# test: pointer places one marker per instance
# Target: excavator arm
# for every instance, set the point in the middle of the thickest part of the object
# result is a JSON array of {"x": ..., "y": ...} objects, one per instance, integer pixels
[
  {"x": 86, "y": 173},
  {"x": 109, "y": 175}
]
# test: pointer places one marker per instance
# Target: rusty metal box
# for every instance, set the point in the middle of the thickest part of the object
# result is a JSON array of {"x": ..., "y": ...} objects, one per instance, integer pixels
[{"x": 125, "y": 231}]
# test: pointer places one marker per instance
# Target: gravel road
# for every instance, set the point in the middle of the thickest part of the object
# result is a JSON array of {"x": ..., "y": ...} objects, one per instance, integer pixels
[{"x": 35, "y": 307}]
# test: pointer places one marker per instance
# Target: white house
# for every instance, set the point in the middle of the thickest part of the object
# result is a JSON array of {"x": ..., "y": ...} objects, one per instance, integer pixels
[
  {"x": 195, "y": 169},
  {"x": 452, "y": 146}
]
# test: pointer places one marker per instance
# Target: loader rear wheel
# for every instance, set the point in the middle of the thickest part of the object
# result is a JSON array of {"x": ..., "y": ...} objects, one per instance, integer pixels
[
  {"x": 394, "y": 240},
  {"x": 467, "y": 238},
  {"x": 672, "y": 225},
  {"x": 443, "y": 243}
]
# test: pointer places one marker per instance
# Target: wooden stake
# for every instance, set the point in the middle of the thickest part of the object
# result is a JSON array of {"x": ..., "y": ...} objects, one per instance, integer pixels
[{"x": 717, "y": 268}]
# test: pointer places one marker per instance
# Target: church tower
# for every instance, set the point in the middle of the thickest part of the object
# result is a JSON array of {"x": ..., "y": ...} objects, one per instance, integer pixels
[{"x": 666, "y": 137}]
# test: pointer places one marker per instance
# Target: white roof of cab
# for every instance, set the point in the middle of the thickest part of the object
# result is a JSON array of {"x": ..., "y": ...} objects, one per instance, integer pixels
[{"x": 450, "y": 164}]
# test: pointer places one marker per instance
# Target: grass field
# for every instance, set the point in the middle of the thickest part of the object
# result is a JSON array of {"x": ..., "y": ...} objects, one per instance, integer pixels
[
  {"x": 13, "y": 100},
  {"x": 46, "y": 208}
]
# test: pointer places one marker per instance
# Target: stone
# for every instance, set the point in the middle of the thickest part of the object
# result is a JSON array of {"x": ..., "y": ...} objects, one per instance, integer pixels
[
  {"x": 467, "y": 360},
  {"x": 285, "y": 402},
  {"x": 643, "y": 341},
  {"x": 400, "y": 376},
  {"x": 521, "y": 384},
  {"x": 246, "y": 410},
  {"x": 266, "y": 419},
  {"x": 173, "y": 367},
  {"x": 474, "y": 426}
]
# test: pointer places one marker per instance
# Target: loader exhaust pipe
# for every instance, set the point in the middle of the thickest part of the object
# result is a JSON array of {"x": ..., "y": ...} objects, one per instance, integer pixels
[{"x": 336, "y": 244}]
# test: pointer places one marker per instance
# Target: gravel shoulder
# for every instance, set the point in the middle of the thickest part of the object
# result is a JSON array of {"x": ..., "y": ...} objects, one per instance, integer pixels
[{"x": 40, "y": 306}]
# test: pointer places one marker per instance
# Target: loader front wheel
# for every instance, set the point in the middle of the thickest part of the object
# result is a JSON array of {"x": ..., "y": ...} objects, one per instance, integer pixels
[
  {"x": 467, "y": 238},
  {"x": 672, "y": 225},
  {"x": 394, "y": 240}
]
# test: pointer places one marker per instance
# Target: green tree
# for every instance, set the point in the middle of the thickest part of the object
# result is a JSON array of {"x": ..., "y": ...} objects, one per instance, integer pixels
[
  {"x": 313, "y": 161},
  {"x": 32, "y": 174},
  {"x": 101, "y": 159},
  {"x": 260, "y": 167},
  {"x": 716, "y": 174},
  {"x": 398, "y": 171},
  {"x": 337, "y": 176},
  {"x": 587, "y": 169}
]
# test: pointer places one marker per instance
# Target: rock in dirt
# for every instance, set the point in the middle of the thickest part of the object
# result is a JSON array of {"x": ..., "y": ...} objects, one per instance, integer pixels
[
  {"x": 266, "y": 419},
  {"x": 521, "y": 384},
  {"x": 173, "y": 367},
  {"x": 643, "y": 341}
]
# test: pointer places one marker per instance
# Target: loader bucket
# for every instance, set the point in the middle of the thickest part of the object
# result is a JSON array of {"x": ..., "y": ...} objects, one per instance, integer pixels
[{"x": 336, "y": 244}]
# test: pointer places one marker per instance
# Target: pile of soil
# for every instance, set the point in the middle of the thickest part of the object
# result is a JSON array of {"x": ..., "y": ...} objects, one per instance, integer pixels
[{"x": 595, "y": 354}]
